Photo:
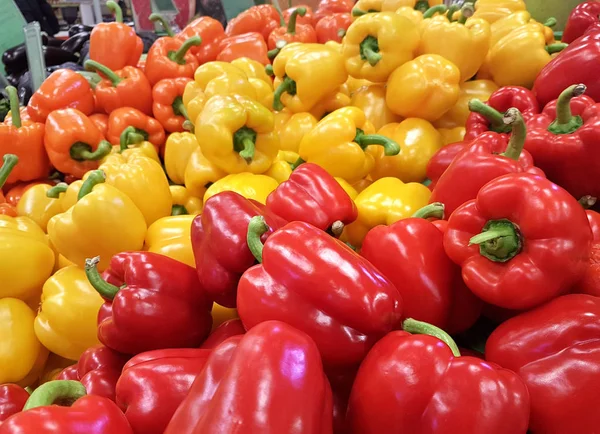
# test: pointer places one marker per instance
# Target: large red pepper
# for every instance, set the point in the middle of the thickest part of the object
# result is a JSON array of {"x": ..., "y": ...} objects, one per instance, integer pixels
[
  {"x": 411, "y": 254},
  {"x": 319, "y": 285},
  {"x": 12, "y": 400},
  {"x": 153, "y": 384},
  {"x": 522, "y": 242},
  {"x": 212, "y": 33},
  {"x": 262, "y": 19},
  {"x": 555, "y": 349},
  {"x": 313, "y": 196},
  {"x": 590, "y": 282},
  {"x": 420, "y": 383},
  {"x": 232, "y": 327},
  {"x": 563, "y": 141},
  {"x": 269, "y": 381},
  {"x": 88, "y": 414},
  {"x": 333, "y": 27},
  {"x": 219, "y": 243},
  {"x": 487, "y": 157},
  {"x": 307, "y": 18},
  {"x": 152, "y": 302},
  {"x": 583, "y": 16},
  {"x": 594, "y": 220},
  {"x": 329, "y": 7},
  {"x": 251, "y": 45},
  {"x": 441, "y": 160}
]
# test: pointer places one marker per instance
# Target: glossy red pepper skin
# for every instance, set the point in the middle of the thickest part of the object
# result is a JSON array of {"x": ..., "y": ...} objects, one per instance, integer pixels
[
  {"x": 269, "y": 381},
  {"x": 212, "y": 33},
  {"x": 313, "y": 196},
  {"x": 159, "y": 290},
  {"x": 414, "y": 384},
  {"x": 219, "y": 243},
  {"x": 590, "y": 282},
  {"x": 440, "y": 161},
  {"x": 594, "y": 220},
  {"x": 153, "y": 384},
  {"x": 582, "y": 17},
  {"x": 262, "y": 19},
  {"x": 226, "y": 330},
  {"x": 554, "y": 237},
  {"x": 12, "y": 400},
  {"x": 332, "y": 27},
  {"x": 322, "y": 287},
  {"x": 560, "y": 339}
]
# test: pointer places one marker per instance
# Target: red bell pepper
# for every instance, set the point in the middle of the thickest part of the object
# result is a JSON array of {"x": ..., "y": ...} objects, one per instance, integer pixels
[
  {"x": 219, "y": 243},
  {"x": 485, "y": 158},
  {"x": 563, "y": 141},
  {"x": 12, "y": 400},
  {"x": 88, "y": 414},
  {"x": 307, "y": 18},
  {"x": 232, "y": 327},
  {"x": 411, "y": 254},
  {"x": 489, "y": 116},
  {"x": 522, "y": 242},
  {"x": 153, "y": 384},
  {"x": 151, "y": 302},
  {"x": 262, "y": 19},
  {"x": 582, "y": 17},
  {"x": 594, "y": 220},
  {"x": 590, "y": 283},
  {"x": 420, "y": 383},
  {"x": 313, "y": 196},
  {"x": 555, "y": 349},
  {"x": 251, "y": 45},
  {"x": 441, "y": 160},
  {"x": 320, "y": 286},
  {"x": 329, "y": 7},
  {"x": 333, "y": 27},
  {"x": 269, "y": 381},
  {"x": 212, "y": 33}
]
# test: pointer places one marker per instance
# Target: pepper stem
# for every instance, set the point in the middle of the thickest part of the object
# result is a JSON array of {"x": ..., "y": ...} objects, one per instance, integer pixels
[
  {"x": 341, "y": 33},
  {"x": 493, "y": 116},
  {"x": 82, "y": 151},
  {"x": 272, "y": 54},
  {"x": 363, "y": 140},
  {"x": 105, "y": 289},
  {"x": 61, "y": 391},
  {"x": 565, "y": 122},
  {"x": 92, "y": 65},
  {"x": 451, "y": 11},
  {"x": 516, "y": 142},
  {"x": 275, "y": 4},
  {"x": 244, "y": 143},
  {"x": 287, "y": 86},
  {"x": 269, "y": 70},
  {"x": 94, "y": 178},
  {"x": 130, "y": 136},
  {"x": 291, "y": 28},
  {"x": 297, "y": 163},
  {"x": 556, "y": 48},
  {"x": 438, "y": 9},
  {"x": 369, "y": 50},
  {"x": 179, "y": 108},
  {"x": 466, "y": 12},
  {"x": 550, "y": 22},
  {"x": 588, "y": 201},
  {"x": 9, "y": 161},
  {"x": 178, "y": 210},
  {"x": 337, "y": 227},
  {"x": 422, "y": 328},
  {"x": 15, "y": 112},
  {"x": 55, "y": 192},
  {"x": 499, "y": 240},
  {"x": 163, "y": 22},
  {"x": 179, "y": 55},
  {"x": 116, "y": 9},
  {"x": 256, "y": 228},
  {"x": 433, "y": 210},
  {"x": 422, "y": 6}
]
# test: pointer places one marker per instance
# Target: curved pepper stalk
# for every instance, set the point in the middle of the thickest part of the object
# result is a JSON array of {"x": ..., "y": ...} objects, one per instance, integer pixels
[
  {"x": 62, "y": 392},
  {"x": 422, "y": 328}
]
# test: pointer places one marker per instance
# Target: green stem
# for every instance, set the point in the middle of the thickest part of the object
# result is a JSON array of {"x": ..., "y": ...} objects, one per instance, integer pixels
[
  {"x": 29, "y": 390},
  {"x": 179, "y": 55},
  {"x": 451, "y": 11},
  {"x": 363, "y": 140},
  {"x": 565, "y": 122},
  {"x": 178, "y": 210},
  {"x": 269, "y": 70},
  {"x": 179, "y": 108},
  {"x": 94, "y": 178},
  {"x": 558, "y": 35},
  {"x": 291, "y": 28},
  {"x": 499, "y": 240},
  {"x": 516, "y": 142},
  {"x": 588, "y": 201},
  {"x": 550, "y": 22},
  {"x": 82, "y": 151},
  {"x": 433, "y": 210},
  {"x": 116, "y": 9},
  {"x": 275, "y": 4},
  {"x": 341, "y": 33},
  {"x": 438, "y": 9},
  {"x": 244, "y": 143},
  {"x": 130, "y": 136},
  {"x": 422, "y": 328},
  {"x": 9, "y": 161},
  {"x": 92, "y": 65},
  {"x": 556, "y": 48},
  {"x": 422, "y": 6},
  {"x": 15, "y": 111},
  {"x": 297, "y": 163},
  {"x": 369, "y": 50},
  {"x": 107, "y": 290},
  {"x": 359, "y": 12},
  {"x": 57, "y": 190},
  {"x": 63, "y": 391},
  {"x": 163, "y": 22},
  {"x": 256, "y": 228},
  {"x": 494, "y": 117},
  {"x": 466, "y": 12},
  {"x": 287, "y": 86}
]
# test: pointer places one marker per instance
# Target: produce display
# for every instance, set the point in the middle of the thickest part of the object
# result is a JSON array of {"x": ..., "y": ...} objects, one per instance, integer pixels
[{"x": 374, "y": 217}]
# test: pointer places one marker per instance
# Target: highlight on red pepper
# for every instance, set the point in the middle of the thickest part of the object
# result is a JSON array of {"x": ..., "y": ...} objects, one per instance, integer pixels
[
  {"x": 12, "y": 400},
  {"x": 582, "y": 17},
  {"x": 332, "y": 27}
]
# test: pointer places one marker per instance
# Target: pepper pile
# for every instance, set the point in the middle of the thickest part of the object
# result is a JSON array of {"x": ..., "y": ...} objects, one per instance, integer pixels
[{"x": 373, "y": 218}]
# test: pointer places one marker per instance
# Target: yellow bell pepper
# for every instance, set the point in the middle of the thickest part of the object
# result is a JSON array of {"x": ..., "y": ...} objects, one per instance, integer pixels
[
  {"x": 178, "y": 149},
  {"x": 418, "y": 139},
  {"x": 384, "y": 202},
  {"x": 329, "y": 104},
  {"x": 170, "y": 236},
  {"x": 220, "y": 314},
  {"x": 71, "y": 191},
  {"x": 249, "y": 185},
  {"x": 371, "y": 100},
  {"x": 20, "y": 347},
  {"x": 237, "y": 135},
  {"x": 292, "y": 127},
  {"x": 222, "y": 78},
  {"x": 253, "y": 69},
  {"x": 264, "y": 92},
  {"x": 457, "y": 115},
  {"x": 104, "y": 221},
  {"x": 26, "y": 258},
  {"x": 36, "y": 205},
  {"x": 362, "y": 184},
  {"x": 411, "y": 13},
  {"x": 464, "y": 42},
  {"x": 281, "y": 169},
  {"x": 195, "y": 106},
  {"x": 143, "y": 149},
  {"x": 191, "y": 91},
  {"x": 338, "y": 144},
  {"x": 32, "y": 378},
  {"x": 143, "y": 180},
  {"x": 61, "y": 262},
  {"x": 425, "y": 88},
  {"x": 184, "y": 202},
  {"x": 376, "y": 44},
  {"x": 298, "y": 86},
  {"x": 452, "y": 135},
  {"x": 348, "y": 188},
  {"x": 200, "y": 174},
  {"x": 493, "y": 10},
  {"x": 66, "y": 322},
  {"x": 363, "y": 7},
  {"x": 511, "y": 22},
  {"x": 352, "y": 85}
]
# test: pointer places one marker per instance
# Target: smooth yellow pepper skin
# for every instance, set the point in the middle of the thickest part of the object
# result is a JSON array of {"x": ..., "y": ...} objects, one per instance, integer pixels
[
  {"x": 493, "y": 10},
  {"x": 264, "y": 91},
  {"x": 170, "y": 236},
  {"x": 249, "y": 185},
  {"x": 294, "y": 69},
  {"x": 237, "y": 134},
  {"x": 458, "y": 114},
  {"x": 220, "y": 314},
  {"x": 452, "y": 135},
  {"x": 291, "y": 128},
  {"x": 418, "y": 139},
  {"x": 143, "y": 149},
  {"x": 26, "y": 258},
  {"x": 191, "y": 91},
  {"x": 143, "y": 180},
  {"x": 411, "y": 13},
  {"x": 253, "y": 69},
  {"x": 329, "y": 104},
  {"x": 104, "y": 222},
  {"x": 360, "y": 185},
  {"x": 37, "y": 206},
  {"x": 425, "y": 88},
  {"x": 222, "y": 78},
  {"x": 348, "y": 188},
  {"x": 33, "y": 377},
  {"x": 281, "y": 169},
  {"x": 20, "y": 347},
  {"x": 178, "y": 149},
  {"x": 66, "y": 322},
  {"x": 511, "y": 22},
  {"x": 184, "y": 202},
  {"x": 195, "y": 105},
  {"x": 200, "y": 173},
  {"x": 363, "y": 7},
  {"x": 376, "y": 44},
  {"x": 352, "y": 85},
  {"x": 371, "y": 100}
]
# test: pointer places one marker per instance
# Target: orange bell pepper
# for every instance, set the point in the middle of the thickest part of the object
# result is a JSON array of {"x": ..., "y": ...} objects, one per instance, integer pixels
[
  {"x": 148, "y": 127},
  {"x": 212, "y": 33},
  {"x": 9, "y": 162},
  {"x": 168, "y": 105},
  {"x": 261, "y": 19},
  {"x": 293, "y": 31},
  {"x": 307, "y": 18},
  {"x": 251, "y": 45},
  {"x": 328, "y": 7},
  {"x": 101, "y": 122}
]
